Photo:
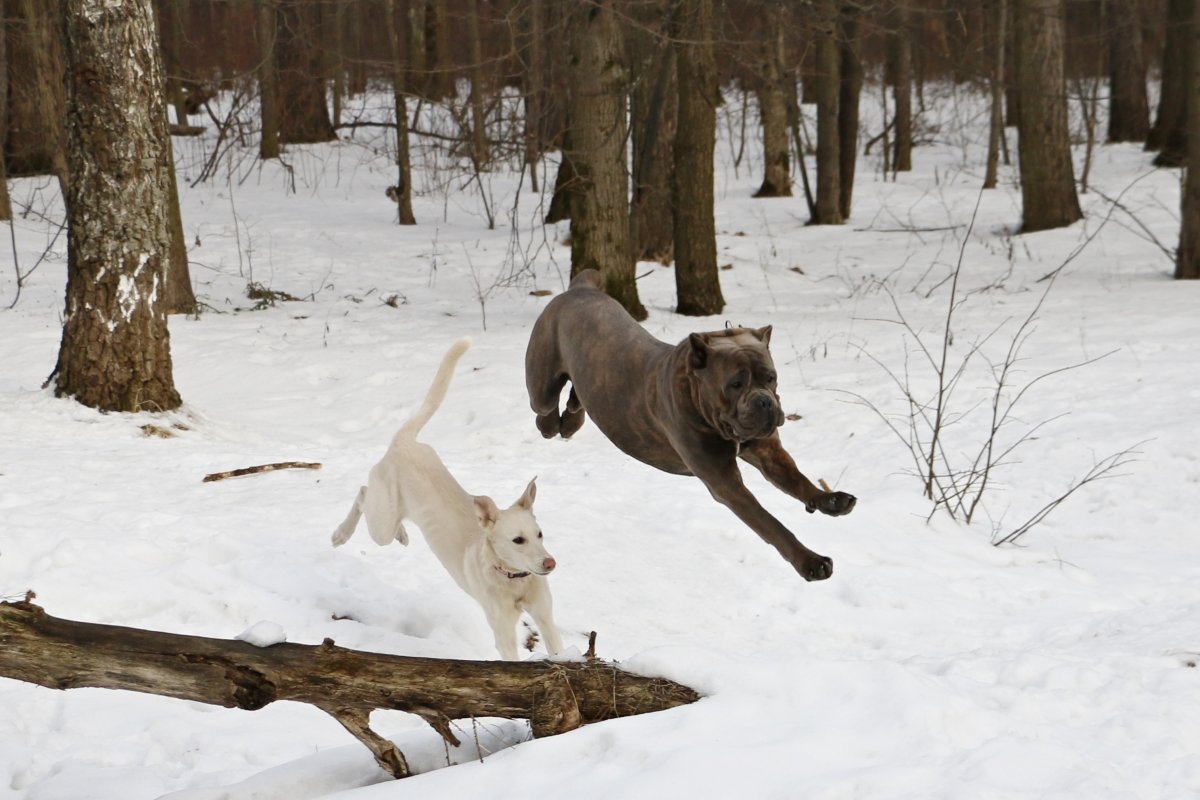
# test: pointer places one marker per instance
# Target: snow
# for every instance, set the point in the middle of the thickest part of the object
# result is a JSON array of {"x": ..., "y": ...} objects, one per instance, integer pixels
[
  {"x": 931, "y": 665},
  {"x": 263, "y": 633}
]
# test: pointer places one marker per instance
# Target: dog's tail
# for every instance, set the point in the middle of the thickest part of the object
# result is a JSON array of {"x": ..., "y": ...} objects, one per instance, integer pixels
[{"x": 437, "y": 392}]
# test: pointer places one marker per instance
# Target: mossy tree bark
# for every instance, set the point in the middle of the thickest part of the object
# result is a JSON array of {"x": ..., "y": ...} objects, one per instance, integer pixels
[
  {"x": 115, "y": 353},
  {"x": 555, "y": 697}
]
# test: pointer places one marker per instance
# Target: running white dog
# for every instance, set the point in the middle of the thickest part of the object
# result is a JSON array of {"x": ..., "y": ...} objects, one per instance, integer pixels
[{"x": 495, "y": 555}]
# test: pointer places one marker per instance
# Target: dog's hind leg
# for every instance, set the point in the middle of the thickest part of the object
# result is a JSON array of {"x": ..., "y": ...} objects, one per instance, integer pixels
[
  {"x": 385, "y": 518},
  {"x": 346, "y": 529},
  {"x": 572, "y": 419}
]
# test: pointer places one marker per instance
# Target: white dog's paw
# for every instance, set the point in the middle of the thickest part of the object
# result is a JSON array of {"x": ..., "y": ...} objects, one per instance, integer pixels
[
  {"x": 341, "y": 535},
  {"x": 401, "y": 534}
]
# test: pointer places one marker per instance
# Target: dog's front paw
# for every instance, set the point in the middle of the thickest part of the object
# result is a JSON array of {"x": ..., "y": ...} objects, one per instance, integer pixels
[
  {"x": 815, "y": 568},
  {"x": 835, "y": 504}
]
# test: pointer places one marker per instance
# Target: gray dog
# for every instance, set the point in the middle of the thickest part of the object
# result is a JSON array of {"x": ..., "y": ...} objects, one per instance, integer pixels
[{"x": 691, "y": 409}]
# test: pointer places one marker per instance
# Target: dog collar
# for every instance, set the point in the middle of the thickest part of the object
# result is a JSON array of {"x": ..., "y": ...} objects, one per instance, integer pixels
[{"x": 510, "y": 575}]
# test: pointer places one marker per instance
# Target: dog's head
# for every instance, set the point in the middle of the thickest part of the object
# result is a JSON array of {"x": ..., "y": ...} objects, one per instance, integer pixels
[
  {"x": 514, "y": 534},
  {"x": 733, "y": 382}
]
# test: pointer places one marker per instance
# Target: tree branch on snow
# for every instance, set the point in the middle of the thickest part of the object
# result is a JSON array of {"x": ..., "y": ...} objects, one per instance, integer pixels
[{"x": 555, "y": 697}]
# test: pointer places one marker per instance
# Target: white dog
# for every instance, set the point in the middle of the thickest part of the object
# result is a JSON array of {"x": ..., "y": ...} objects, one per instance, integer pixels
[{"x": 495, "y": 555}]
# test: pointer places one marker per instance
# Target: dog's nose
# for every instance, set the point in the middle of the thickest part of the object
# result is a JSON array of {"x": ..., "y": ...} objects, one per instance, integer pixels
[
  {"x": 549, "y": 563},
  {"x": 764, "y": 403}
]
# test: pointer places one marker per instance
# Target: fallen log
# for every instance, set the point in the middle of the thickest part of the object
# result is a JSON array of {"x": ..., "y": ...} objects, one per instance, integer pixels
[{"x": 555, "y": 697}]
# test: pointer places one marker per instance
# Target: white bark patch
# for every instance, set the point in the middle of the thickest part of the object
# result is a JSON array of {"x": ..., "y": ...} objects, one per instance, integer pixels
[{"x": 129, "y": 296}]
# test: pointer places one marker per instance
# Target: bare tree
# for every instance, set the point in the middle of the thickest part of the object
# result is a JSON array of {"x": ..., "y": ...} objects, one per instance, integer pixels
[
  {"x": 828, "y": 81},
  {"x": 403, "y": 190},
  {"x": 1129, "y": 108},
  {"x": 900, "y": 67},
  {"x": 115, "y": 353},
  {"x": 697, "y": 282},
  {"x": 1187, "y": 260},
  {"x": 5, "y": 201},
  {"x": 772, "y": 106},
  {"x": 849, "y": 90},
  {"x": 268, "y": 81},
  {"x": 1047, "y": 181},
  {"x": 996, "y": 81},
  {"x": 652, "y": 101},
  {"x": 600, "y": 205},
  {"x": 37, "y": 94},
  {"x": 1169, "y": 134},
  {"x": 479, "y": 143},
  {"x": 303, "y": 113}
]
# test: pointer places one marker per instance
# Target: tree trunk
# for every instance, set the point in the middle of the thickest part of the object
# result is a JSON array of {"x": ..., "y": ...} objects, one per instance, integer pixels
[
  {"x": 440, "y": 83},
  {"x": 1129, "y": 109},
  {"x": 697, "y": 281},
  {"x": 849, "y": 91},
  {"x": 171, "y": 35},
  {"x": 566, "y": 182},
  {"x": 600, "y": 205},
  {"x": 418, "y": 72},
  {"x": 534, "y": 78},
  {"x": 555, "y": 697},
  {"x": 772, "y": 105},
  {"x": 828, "y": 83},
  {"x": 115, "y": 353},
  {"x": 1187, "y": 259},
  {"x": 1047, "y": 180},
  {"x": 268, "y": 80},
  {"x": 37, "y": 94},
  {"x": 480, "y": 155},
  {"x": 652, "y": 119},
  {"x": 1169, "y": 134},
  {"x": 5, "y": 200},
  {"x": 901, "y": 56},
  {"x": 303, "y": 113},
  {"x": 403, "y": 194},
  {"x": 996, "y": 124}
]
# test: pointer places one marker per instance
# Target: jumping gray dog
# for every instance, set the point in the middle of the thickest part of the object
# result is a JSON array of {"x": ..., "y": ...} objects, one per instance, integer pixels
[{"x": 689, "y": 409}]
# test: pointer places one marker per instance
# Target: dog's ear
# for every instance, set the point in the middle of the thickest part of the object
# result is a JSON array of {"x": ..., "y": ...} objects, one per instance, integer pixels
[
  {"x": 763, "y": 334},
  {"x": 700, "y": 350},
  {"x": 525, "y": 501},
  {"x": 486, "y": 512}
]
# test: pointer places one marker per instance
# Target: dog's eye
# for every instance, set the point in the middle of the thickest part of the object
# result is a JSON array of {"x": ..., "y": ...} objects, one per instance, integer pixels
[
  {"x": 519, "y": 540},
  {"x": 539, "y": 534},
  {"x": 735, "y": 385}
]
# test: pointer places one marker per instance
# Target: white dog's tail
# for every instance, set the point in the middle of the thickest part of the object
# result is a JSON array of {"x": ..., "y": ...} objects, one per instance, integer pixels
[{"x": 437, "y": 392}]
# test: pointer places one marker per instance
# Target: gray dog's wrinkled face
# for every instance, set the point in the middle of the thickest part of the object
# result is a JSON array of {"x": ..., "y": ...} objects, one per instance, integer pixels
[{"x": 734, "y": 382}]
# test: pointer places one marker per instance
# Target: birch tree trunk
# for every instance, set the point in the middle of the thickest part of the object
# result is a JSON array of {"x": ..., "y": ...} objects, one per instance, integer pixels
[{"x": 115, "y": 353}]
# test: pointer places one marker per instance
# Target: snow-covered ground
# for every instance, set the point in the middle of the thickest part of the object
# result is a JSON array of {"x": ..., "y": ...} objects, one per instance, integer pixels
[{"x": 931, "y": 665}]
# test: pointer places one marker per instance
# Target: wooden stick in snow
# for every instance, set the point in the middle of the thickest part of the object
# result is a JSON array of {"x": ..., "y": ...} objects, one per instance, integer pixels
[{"x": 237, "y": 473}]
